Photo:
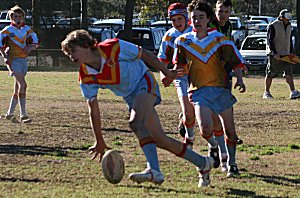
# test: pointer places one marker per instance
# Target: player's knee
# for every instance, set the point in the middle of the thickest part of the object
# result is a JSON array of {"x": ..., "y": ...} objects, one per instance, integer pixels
[
  {"x": 206, "y": 129},
  {"x": 135, "y": 124},
  {"x": 232, "y": 137},
  {"x": 189, "y": 122}
]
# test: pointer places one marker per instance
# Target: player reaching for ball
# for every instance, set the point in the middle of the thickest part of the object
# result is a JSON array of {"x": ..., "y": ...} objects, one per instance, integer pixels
[{"x": 116, "y": 65}]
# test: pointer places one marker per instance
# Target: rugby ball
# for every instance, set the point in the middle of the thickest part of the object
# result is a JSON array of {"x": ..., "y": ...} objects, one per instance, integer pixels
[{"x": 113, "y": 166}]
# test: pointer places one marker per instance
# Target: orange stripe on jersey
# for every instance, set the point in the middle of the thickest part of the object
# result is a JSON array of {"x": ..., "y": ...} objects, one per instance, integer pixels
[
  {"x": 148, "y": 83},
  {"x": 110, "y": 73},
  {"x": 168, "y": 38}
]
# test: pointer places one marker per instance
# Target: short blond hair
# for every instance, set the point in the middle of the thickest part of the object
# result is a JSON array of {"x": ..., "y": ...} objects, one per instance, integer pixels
[
  {"x": 79, "y": 38},
  {"x": 16, "y": 9}
]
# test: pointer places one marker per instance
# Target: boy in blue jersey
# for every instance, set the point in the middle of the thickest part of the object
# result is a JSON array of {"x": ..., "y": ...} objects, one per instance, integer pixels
[
  {"x": 116, "y": 65},
  {"x": 178, "y": 15}
]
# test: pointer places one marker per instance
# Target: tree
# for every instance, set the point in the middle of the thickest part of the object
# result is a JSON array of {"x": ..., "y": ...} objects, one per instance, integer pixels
[
  {"x": 36, "y": 16},
  {"x": 127, "y": 33},
  {"x": 84, "y": 21}
]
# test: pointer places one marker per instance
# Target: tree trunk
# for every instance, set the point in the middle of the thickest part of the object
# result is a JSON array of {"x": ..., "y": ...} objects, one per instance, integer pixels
[
  {"x": 36, "y": 16},
  {"x": 84, "y": 20},
  {"x": 127, "y": 33}
]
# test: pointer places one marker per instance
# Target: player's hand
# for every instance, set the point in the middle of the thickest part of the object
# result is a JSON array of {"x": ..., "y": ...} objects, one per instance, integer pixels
[
  {"x": 164, "y": 80},
  {"x": 277, "y": 56},
  {"x": 291, "y": 56},
  {"x": 245, "y": 69},
  {"x": 98, "y": 150},
  {"x": 28, "y": 49},
  {"x": 180, "y": 71},
  {"x": 241, "y": 86}
]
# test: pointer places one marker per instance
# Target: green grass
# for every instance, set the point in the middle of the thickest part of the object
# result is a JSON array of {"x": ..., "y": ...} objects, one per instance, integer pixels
[{"x": 48, "y": 157}]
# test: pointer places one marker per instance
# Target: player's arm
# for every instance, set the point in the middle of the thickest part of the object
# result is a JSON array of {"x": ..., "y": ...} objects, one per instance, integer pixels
[
  {"x": 239, "y": 82},
  {"x": 32, "y": 42},
  {"x": 164, "y": 80},
  {"x": 163, "y": 58},
  {"x": 152, "y": 60},
  {"x": 95, "y": 120}
]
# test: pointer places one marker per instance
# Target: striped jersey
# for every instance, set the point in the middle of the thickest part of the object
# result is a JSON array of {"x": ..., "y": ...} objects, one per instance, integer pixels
[
  {"x": 166, "y": 49},
  {"x": 204, "y": 59},
  {"x": 15, "y": 40},
  {"x": 121, "y": 69}
]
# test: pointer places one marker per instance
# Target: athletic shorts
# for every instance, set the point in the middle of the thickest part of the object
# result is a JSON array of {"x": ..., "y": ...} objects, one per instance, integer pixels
[
  {"x": 19, "y": 65},
  {"x": 148, "y": 84},
  {"x": 182, "y": 85},
  {"x": 218, "y": 99},
  {"x": 276, "y": 67}
]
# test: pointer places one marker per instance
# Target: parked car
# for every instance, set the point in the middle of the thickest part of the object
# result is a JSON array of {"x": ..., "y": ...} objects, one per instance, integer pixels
[
  {"x": 3, "y": 23},
  {"x": 114, "y": 24},
  {"x": 251, "y": 23},
  {"x": 74, "y": 22},
  {"x": 148, "y": 38},
  {"x": 162, "y": 24},
  {"x": 101, "y": 34},
  {"x": 268, "y": 19},
  {"x": 4, "y": 15},
  {"x": 253, "y": 50},
  {"x": 251, "y": 26},
  {"x": 238, "y": 32}
]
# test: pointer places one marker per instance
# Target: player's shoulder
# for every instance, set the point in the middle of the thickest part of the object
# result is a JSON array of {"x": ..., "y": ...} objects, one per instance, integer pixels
[
  {"x": 213, "y": 34},
  {"x": 170, "y": 32},
  {"x": 7, "y": 28}
]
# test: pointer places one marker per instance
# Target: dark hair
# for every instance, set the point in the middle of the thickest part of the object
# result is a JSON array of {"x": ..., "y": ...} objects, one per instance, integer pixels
[
  {"x": 79, "y": 38},
  {"x": 201, "y": 5},
  {"x": 226, "y": 3}
]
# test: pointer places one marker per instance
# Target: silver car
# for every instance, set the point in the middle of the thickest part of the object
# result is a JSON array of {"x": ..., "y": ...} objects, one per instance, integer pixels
[{"x": 253, "y": 50}]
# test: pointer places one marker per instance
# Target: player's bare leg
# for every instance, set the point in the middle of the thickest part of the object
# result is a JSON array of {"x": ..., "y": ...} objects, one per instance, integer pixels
[{"x": 231, "y": 140}]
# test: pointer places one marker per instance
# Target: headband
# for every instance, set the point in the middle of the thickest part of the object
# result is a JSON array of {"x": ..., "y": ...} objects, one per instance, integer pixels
[{"x": 178, "y": 11}]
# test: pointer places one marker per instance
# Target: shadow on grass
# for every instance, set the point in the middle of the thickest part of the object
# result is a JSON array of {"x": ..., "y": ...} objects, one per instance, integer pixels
[
  {"x": 2, "y": 179},
  {"x": 278, "y": 180},
  {"x": 243, "y": 193},
  {"x": 160, "y": 189},
  {"x": 38, "y": 150}
]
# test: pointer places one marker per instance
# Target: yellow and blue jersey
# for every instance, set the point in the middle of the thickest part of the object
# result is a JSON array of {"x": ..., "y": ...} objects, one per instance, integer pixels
[
  {"x": 16, "y": 39},
  {"x": 166, "y": 49},
  {"x": 204, "y": 59}
]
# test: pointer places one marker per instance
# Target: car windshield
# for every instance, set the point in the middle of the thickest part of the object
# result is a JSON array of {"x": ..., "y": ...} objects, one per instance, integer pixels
[
  {"x": 234, "y": 24},
  {"x": 255, "y": 44}
]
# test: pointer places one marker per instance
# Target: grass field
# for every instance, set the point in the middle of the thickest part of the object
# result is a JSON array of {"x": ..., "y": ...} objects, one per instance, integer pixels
[{"x": 48, "y": 158}]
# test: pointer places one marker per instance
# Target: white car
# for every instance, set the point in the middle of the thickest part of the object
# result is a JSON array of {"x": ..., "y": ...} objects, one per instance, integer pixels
[
  {"x": 238, "y": 32},
  {"x": 268, "y": 19},
  {"x": 253, "y": 50},
  {"x": 114, "y": 24}
]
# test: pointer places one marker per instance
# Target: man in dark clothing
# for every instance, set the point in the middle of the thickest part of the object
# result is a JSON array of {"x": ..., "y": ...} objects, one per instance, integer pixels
[{"x": 280, "y": 45}]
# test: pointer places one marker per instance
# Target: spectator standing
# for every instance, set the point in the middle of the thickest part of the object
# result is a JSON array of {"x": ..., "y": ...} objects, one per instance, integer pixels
[{"x": 280, "y": 45}]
